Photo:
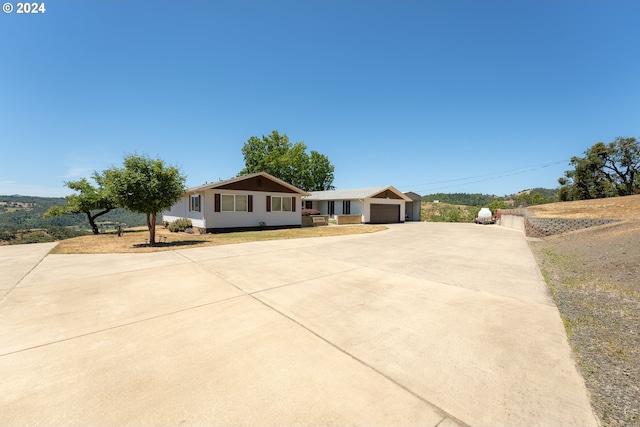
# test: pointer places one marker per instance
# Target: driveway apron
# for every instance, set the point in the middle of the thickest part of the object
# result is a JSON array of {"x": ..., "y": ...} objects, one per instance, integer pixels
[{"x": 422, "y": 324}]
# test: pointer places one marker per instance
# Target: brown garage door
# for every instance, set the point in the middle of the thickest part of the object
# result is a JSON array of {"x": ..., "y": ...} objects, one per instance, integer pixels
[{"x": 384, "y": 214}]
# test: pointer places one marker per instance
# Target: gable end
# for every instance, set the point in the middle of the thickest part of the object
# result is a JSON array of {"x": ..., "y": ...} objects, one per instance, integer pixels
[
  {"x": 257, "y": 183},
  {"x": 387, "y": 194}
]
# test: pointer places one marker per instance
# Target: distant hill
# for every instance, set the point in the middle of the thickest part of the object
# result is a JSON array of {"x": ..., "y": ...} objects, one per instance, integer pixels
[
  {"x": 466, "y": 199},
  {"x": 26, "y": 212},
  {"x": 528, "y": 197},
  {"x": 446, "y": 212},
  {"x": 544, "y": 192}
]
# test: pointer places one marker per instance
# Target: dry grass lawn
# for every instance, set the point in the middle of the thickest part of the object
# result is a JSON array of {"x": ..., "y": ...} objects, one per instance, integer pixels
[
  {"x": 136, "y": 240},
  {"x": 614, "y": 207}
]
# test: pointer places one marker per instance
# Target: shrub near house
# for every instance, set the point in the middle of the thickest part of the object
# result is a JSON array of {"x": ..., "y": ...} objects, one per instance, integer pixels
[{"x": 179, "y": 225}]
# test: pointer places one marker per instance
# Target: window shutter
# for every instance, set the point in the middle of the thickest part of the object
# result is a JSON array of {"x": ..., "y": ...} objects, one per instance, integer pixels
[
  {"x": 293, "y": 203},
  {"x": 216, "y": 202},
  {"x": 199, "y": 203},
  {"x": 250, "y": 203},
  {"x": 268, "y": 203}
]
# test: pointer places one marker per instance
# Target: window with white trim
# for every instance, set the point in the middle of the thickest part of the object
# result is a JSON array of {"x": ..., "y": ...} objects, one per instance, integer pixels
[
  {"x": 194, "y": 203},
  {"x": 280, "y": 204},
  {"x": 233, "y": 202}
]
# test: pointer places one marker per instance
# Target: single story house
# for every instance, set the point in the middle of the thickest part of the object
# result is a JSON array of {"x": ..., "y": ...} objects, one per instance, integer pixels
[
  {"x": 414, "y": 207},
  {"x": 375, "y": 205},
  {"x": 253, "y": 201}
]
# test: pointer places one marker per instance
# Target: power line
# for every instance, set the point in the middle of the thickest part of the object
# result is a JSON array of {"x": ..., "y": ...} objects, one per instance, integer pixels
[{"x": 486, "y": 177}]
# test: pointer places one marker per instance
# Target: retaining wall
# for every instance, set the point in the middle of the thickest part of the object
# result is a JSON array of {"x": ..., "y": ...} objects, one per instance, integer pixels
[
  {"x": 542, "y": 227},
  {"x": 348, "y": 219},
  {"x": 307, "y": 220},
  {"x": 512, "y": 218}
]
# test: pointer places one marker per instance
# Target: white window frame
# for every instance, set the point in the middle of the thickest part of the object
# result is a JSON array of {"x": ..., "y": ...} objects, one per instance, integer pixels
[
  {"x": 235, "y": 202},
  {"x": 281, "y": 202},
  {"x": 192, "y": 206}
]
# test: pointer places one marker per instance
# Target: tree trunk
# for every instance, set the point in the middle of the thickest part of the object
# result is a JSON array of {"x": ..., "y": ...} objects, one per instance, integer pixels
[
  {"x": 630, "y": 182},
  {"x": 92, "y": 222},
  {"x": 92, "y": 219},
  {"x": 151, "y": 223}
]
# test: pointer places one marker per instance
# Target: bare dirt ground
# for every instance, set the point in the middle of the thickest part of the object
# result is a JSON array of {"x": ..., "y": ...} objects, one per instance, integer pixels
[{"x": 594, "y": 277}]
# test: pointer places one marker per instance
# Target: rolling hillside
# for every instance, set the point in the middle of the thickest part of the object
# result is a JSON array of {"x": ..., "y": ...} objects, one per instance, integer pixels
[
  {"x": 22, "y": 220},
  {"x": 27, "y": 212},
  {"x": 613, "y": 207}
]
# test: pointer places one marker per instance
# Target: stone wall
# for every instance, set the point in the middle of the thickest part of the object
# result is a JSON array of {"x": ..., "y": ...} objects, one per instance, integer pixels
[
  {"x": 307, "y": 220},
  {"x": 541, "y": 227},
  {"x": 348, "y": 219}
]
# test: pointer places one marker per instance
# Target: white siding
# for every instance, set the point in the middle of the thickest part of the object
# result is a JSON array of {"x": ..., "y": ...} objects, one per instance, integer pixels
[
  {"x": 181, "y": 210},
  {"x": 413, "y": 210},
  {"x": 250, "y": 219},
  {"x": 323, "y": 207},
  {"x": 356, "y": 208},
  {"x": 208, "y": 218}
]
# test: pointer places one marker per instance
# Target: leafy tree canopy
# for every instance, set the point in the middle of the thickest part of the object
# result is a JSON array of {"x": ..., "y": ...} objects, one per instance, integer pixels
[
  {"x": 274, "y": 154},
  {"x": 535, "y": 196},
  {"x": 91, "y": 201},
  {"x": 145, "y": 185},
  {"x": 606, "y": 170}
]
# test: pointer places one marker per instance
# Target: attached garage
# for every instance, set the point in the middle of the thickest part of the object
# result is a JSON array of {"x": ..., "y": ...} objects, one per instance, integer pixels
[
  {"x": 384, "y": 214},
  {"x": 374, "y": 205}
]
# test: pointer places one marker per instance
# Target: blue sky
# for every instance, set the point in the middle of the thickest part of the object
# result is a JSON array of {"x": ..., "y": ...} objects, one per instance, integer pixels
[{"x": 428, "y": 96}]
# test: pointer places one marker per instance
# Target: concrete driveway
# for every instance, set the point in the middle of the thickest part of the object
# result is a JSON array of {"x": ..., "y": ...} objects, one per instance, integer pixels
[{"x": 424, "y": 324}]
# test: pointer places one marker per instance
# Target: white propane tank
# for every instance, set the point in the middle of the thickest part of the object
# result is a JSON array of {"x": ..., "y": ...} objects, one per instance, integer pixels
[
  {"x": 484, "y": 216},
  {"x": 484, "y": 213}
]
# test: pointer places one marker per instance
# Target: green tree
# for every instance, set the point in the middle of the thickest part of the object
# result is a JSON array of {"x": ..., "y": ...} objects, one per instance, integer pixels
[
  {"x": 494, "y": 206},
  {"x": 530, "y": 198},
  {"x": 146, "y": 186},
  {"x": 274, "y": 154},
  {"x": 606, "y": 170},
  {"x": 91, "y": 201},
  {"x": 320, "y": 173}
]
